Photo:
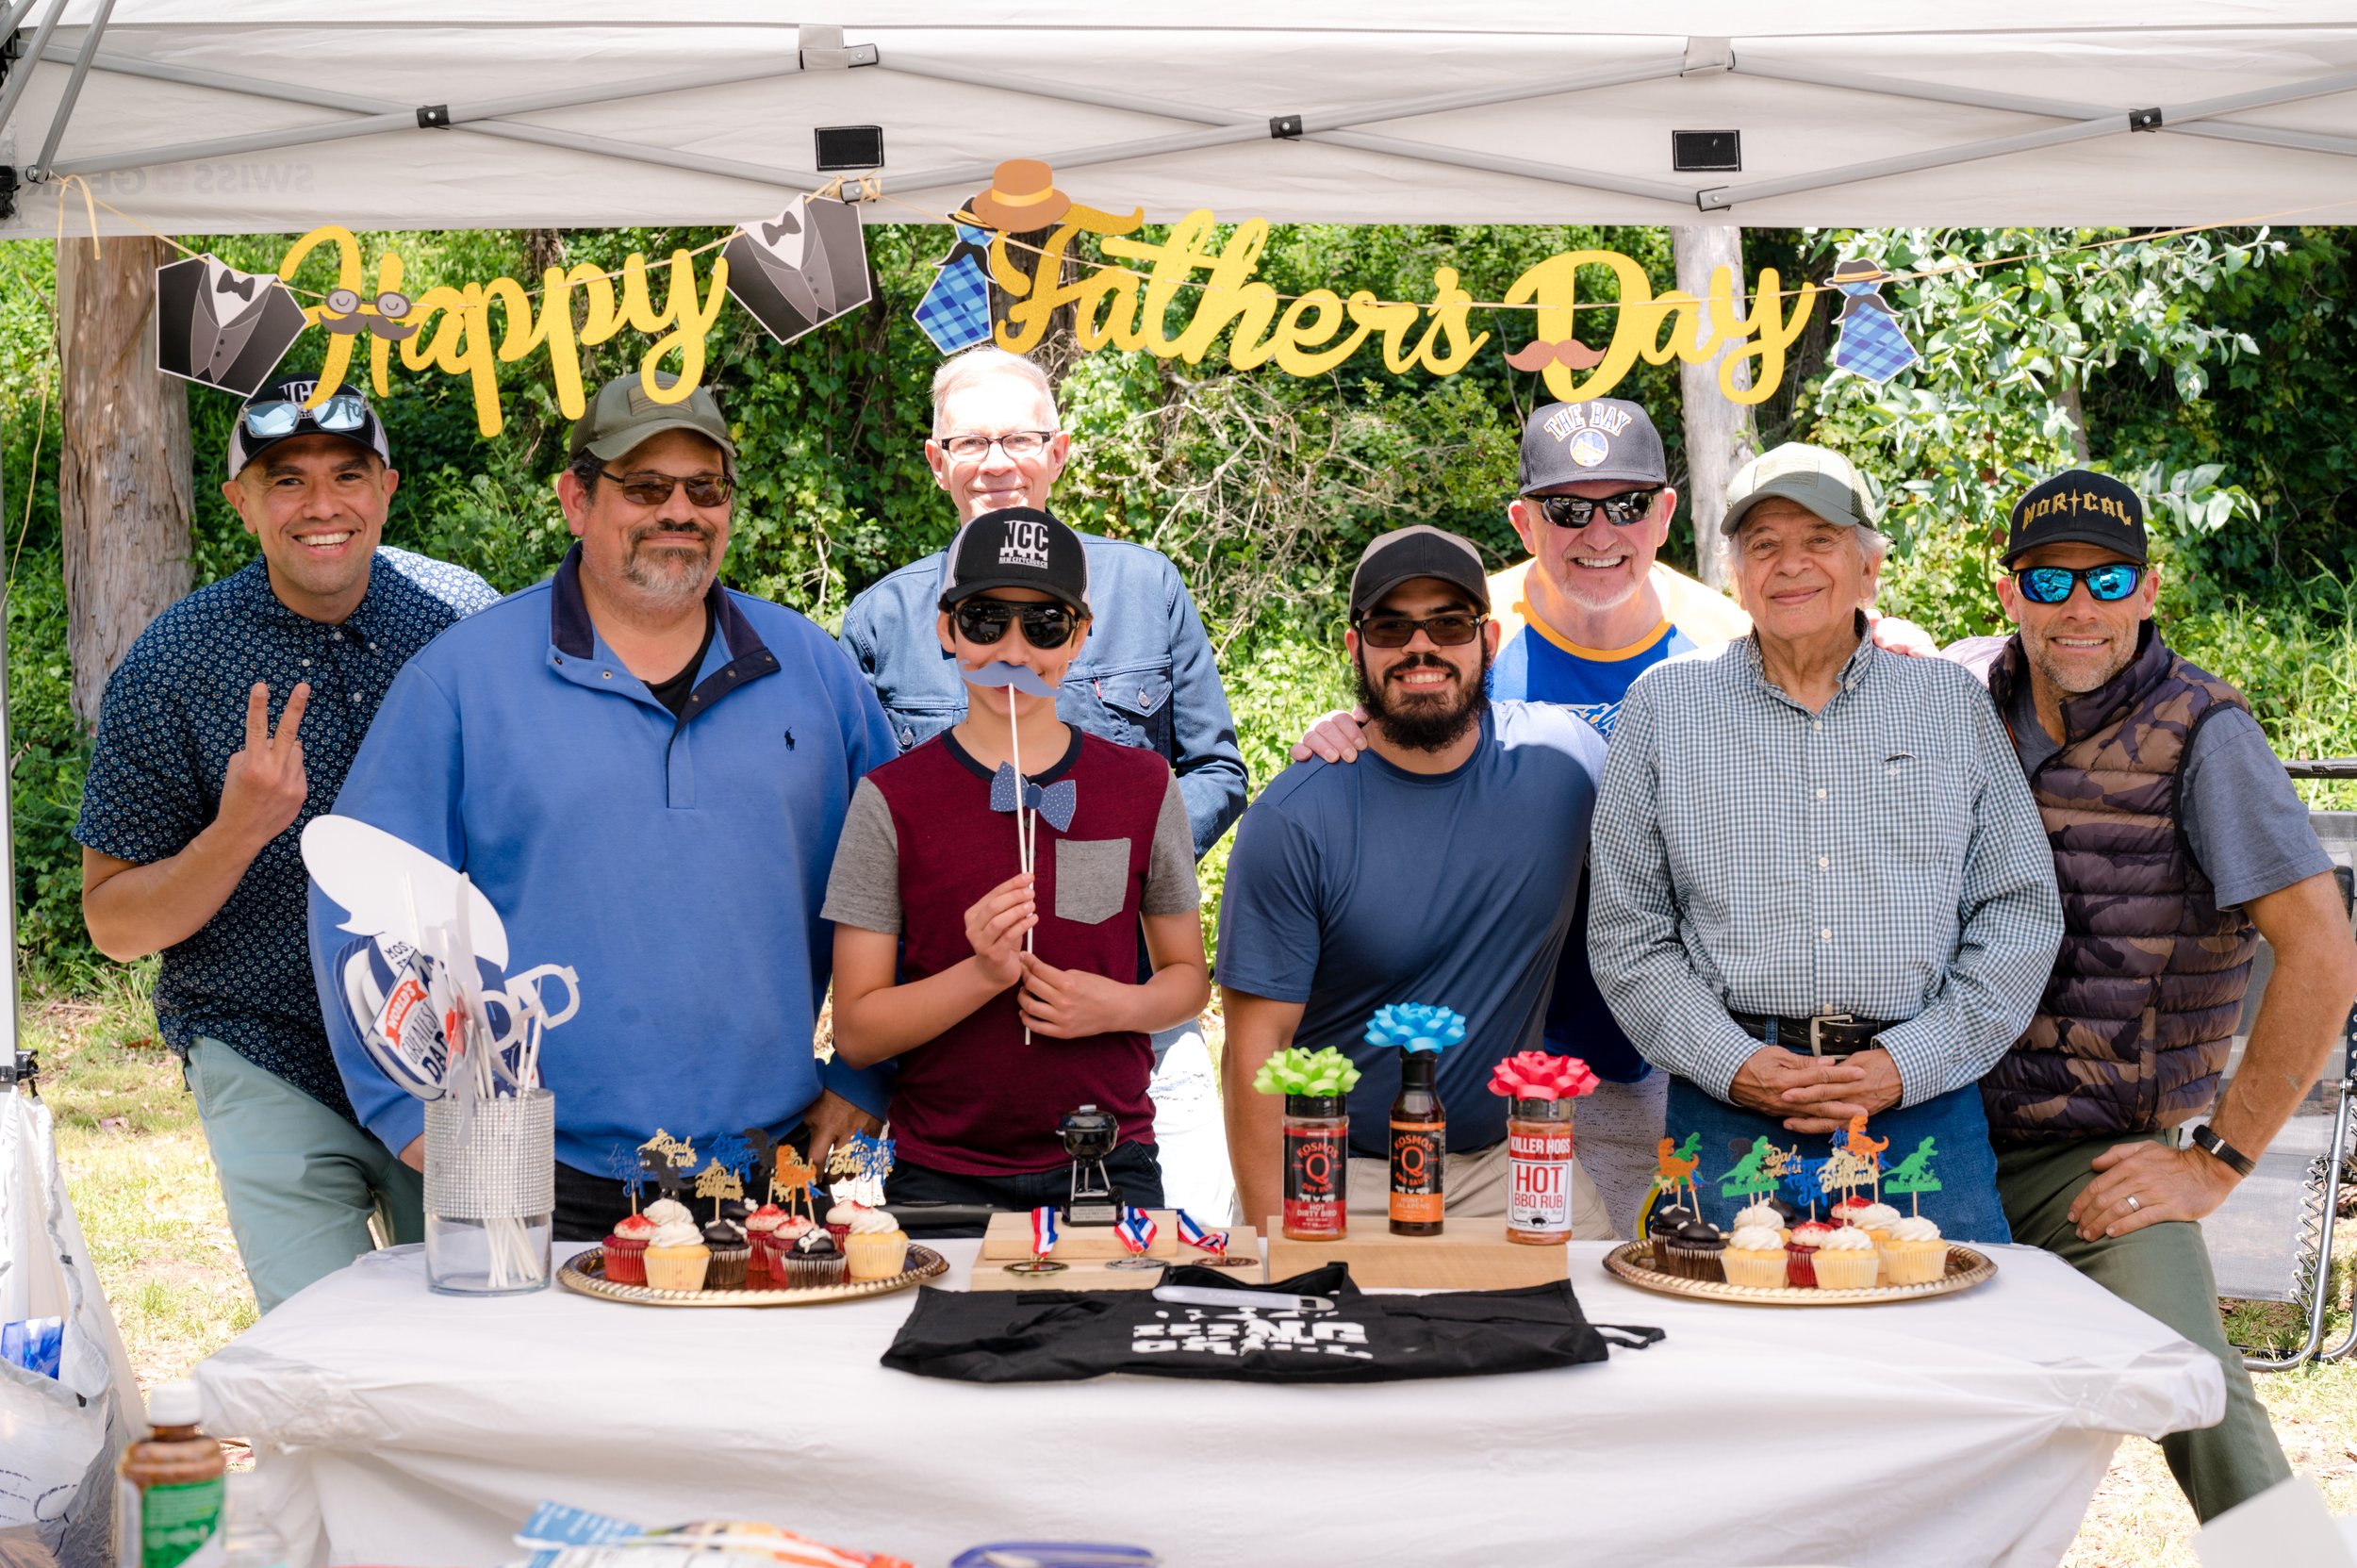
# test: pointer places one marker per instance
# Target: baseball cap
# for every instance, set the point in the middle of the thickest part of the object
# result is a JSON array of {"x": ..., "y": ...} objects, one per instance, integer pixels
[
  {"x": 1421, "y": 551},
  {"x": 1815, "y": 478},
  {"x": 279, "y": 411},
  {"x": 1017, "y": 546},
  {"x": 2077, "y": 507},
  {"x": 1568, "y": 443},
  {"x": 622, "y": 415}
]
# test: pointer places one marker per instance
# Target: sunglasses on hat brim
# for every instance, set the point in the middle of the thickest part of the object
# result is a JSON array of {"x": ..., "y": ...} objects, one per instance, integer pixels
[
  {"x": 1045, "y": 626},
  {"x": 339, "y": 414},
  {"x": 2108, "y": 584}
]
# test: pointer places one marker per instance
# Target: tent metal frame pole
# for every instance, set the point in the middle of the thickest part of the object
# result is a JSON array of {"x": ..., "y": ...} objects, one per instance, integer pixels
[
  {"x": 23, "y": 77},
  {"x": 1456, "y": 158},
  {"x": 393, "y": 119},
  {"x": 2111, "y": 123},
  {"x": 2272, "y": 135},
  {"x": 97, "y": 30}
]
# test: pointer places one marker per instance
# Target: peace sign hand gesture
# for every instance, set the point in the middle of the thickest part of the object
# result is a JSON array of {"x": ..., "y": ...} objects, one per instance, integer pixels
[{"x": 264, "y": 789}]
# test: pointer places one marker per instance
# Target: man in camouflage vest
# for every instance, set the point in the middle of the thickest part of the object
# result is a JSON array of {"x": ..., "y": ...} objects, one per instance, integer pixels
[{"x": 2178, "y": 843}]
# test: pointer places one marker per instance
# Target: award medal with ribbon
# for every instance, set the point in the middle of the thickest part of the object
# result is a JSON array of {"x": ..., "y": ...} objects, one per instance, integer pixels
[
  {"x": 1137, "y": 1230},
  {"x": 1212, "y": 1244},
  {"x": 1043, "y": 1243}
]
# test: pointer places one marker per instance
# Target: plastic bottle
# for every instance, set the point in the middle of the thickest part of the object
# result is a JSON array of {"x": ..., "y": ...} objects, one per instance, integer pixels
[
  {"x": 246, "y": 1534},
  {"x": 1317, "y": 1168},
  {"x": 1419, "y": 1146},
  {"x": 1539, "y": 1171},
  {"x": 169, "y": 1498}
]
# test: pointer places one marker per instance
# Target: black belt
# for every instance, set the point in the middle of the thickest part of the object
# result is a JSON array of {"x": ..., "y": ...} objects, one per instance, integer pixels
[{"x": 1833, "y": 1034}]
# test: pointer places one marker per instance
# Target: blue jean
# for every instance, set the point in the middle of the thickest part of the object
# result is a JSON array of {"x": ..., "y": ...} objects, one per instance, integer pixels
[{"x": 1966, "y": 1207}]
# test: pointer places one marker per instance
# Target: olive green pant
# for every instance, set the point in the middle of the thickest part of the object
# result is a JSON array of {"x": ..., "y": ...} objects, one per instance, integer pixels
[{"x": 2164, "y": 1270}]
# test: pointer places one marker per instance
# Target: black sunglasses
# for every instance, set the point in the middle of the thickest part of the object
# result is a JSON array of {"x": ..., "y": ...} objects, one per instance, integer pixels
[
  {"x": 1623, "y": 511},
  {"x": 1449, "y": 628},
  {"x": 2109, "y": 583},
  {"x": 1045, "y": 626},
  {"x": 654, "y": 489}
]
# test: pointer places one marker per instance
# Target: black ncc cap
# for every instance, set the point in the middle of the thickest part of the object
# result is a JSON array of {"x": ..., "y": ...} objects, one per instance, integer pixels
[{"x": 1017, "y": 547}]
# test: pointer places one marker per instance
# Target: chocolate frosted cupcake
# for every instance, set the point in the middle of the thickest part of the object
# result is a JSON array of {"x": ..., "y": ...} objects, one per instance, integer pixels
[
  {"x": 725, "y": 1239},
  {"x": 1664, "y": 1224},
  {"x": 812, "y": 1261},
  {"x": 1697, "y": 1251}
]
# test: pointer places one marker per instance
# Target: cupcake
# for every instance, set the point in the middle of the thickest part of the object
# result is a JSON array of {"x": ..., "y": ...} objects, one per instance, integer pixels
[
  {"x": 1664, "y": 1224},
  {"x": 668, "y": 1211},
  {"x": 1764, "y": 1217},
  {"x": 725, "y": 1240},
  {"x": 839, "y": 1219},
  {"x": 1915, "y": 1255},
  {"x": 761, "y": 1234},
  {"x": 1755, "y": 1256},
  {"x": 1846, "y": 1261},
  {"x": 626, "y": 1250},
  {"x": 1799, "y": 1253},
  {"x": 877, "y": 1247},
  {"x": 1844, "y": 1213},
  {"x": 1696, "y": 1249},
  {"x": 1876, "y": 1219},
  {"x": 676, "y": 1256},
  {"x": 814, "y": 1260}
]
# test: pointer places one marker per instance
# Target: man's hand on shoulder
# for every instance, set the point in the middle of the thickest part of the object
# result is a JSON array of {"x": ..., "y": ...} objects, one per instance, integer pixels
[
  {"x": 2163, "y": 1182},
  {"x": 1896, "y": 635},
  {"x": 262, "y": 792},
  {"x": 1337, "y": 738}
]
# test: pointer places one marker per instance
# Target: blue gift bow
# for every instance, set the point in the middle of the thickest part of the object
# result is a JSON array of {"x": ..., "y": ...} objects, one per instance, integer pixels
[{"x": 1056, "y": 802}]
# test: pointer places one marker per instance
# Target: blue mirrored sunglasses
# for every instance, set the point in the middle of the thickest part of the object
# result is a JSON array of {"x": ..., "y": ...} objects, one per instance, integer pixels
[
  {"x": 2110, "y": 583},
  {"x": 269, "y": 421}
]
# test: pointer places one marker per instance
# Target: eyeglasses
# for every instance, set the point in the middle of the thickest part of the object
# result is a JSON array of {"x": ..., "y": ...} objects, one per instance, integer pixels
[
  {"x": 1014, "y": 443},
  {"x": 1572, "y": 511},
  {"x": 281, "y": 416},
  {"x": 2109, "y": 583},
  {"x": 1449, "y": 628},
  {"x": 1045, "y": 626},
  {"x": 653, "y": 489}
]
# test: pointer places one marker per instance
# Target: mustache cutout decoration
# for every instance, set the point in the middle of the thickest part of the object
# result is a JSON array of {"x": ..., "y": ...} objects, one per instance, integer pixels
[{"x": 1571, "y": 354}]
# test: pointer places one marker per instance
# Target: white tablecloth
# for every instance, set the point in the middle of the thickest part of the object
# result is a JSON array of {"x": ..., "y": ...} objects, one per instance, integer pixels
[{"x": 398, "y": 1426}]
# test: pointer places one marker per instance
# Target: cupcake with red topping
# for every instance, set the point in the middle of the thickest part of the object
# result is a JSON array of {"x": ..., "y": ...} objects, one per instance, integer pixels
[
  {"x": 1800, "y": 1253},
  {"x": 626, "y": 1250},
  {"x": 760, "y": 1233}
]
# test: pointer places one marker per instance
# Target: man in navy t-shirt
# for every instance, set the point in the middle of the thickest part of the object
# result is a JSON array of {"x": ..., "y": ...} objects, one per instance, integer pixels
[{"x": 1442, "y": 869}]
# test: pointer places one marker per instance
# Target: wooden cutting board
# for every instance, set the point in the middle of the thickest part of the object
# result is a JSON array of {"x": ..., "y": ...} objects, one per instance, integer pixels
[
  {"x": 1087, "y": 1249},
  {"x": 1467, "y": 1255}
]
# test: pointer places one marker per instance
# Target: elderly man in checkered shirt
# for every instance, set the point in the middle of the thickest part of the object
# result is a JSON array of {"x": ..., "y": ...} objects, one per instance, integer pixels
[{"x": 1822, "y": 891}]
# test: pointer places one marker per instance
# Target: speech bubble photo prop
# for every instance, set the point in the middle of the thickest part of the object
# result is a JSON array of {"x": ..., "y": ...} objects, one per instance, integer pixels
[
  {"x": 389, "y": 888},
  {"x": 798, "y": 270},
  {"x": 220, "y": 327}
]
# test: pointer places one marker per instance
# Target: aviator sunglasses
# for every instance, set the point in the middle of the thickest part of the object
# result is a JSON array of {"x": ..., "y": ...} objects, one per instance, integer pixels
[
  {"x": 649, "y": 489},
  {"x": 269, "y": 421},
  {"x": 1449, "y": 628},
  {"x": 1572, "y": 511},
  {"x": 1045, "y": 626},
  {"x": 2109, "y": 583}
]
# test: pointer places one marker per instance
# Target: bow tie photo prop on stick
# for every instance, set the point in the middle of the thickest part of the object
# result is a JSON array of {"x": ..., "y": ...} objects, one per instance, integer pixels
[
  {"x": 1014, "y": 678},
  {"x": 798, "y": 270},
  {"x": 1055, "y": 801},
  {"x": 220, "y": 327}
]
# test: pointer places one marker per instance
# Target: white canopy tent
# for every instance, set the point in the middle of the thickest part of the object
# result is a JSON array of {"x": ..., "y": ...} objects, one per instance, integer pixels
[{"x": 206, "y": 116}]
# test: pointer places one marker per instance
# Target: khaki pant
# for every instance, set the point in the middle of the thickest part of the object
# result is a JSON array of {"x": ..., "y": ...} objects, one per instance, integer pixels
[{"x": 1475, "y": 1185}]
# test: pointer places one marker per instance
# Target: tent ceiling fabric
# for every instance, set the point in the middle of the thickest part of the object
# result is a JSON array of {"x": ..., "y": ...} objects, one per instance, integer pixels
[{"x": 2003, "y": 113}]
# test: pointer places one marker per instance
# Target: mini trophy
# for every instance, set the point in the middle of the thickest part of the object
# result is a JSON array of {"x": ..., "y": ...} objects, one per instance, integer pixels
[{"x": 1089, "y": 1135}]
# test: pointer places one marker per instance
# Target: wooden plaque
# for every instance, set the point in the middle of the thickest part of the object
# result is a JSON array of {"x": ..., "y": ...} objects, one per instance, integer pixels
[{"x": 1467, "y": 1255}]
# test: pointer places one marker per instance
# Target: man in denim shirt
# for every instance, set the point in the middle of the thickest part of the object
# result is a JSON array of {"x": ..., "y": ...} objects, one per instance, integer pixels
[{"x": 1148, "y": 677}]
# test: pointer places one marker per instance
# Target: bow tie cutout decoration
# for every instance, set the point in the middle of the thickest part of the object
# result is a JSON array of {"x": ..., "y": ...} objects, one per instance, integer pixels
[
  {"x": 240, "y": 284},
  {"x": 1056, "y": 802}
]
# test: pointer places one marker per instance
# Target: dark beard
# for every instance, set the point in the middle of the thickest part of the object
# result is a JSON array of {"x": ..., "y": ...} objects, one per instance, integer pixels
[{"x": 1424, "y": 726}]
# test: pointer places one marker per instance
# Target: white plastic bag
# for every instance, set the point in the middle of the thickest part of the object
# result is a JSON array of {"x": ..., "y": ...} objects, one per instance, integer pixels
[{"x": 58, "y": 1437}]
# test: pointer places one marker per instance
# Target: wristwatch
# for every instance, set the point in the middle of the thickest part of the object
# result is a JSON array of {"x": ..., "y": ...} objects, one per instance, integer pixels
[{"x": 2223, "y": 1152}]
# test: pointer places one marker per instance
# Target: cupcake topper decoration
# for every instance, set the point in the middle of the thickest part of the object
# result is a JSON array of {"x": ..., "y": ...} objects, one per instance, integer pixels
[
  {"x": 1296, "y": 1072},
  {"x": 1870, "y": 1151},
  {"x": 1674, "y": 1165},
  {"x": 1413, "y": 1026},
  {"x": 623, "y": 1163},
  {"x": 717, "y": 1182},
  {"x": 763, "y": 1174},
  {"x": 793, "y": 1177},
  {"x": 1535, "y": 1075},
  {"x": 1751, "y": 1176},
  {"x": 1913, "y": 1175},
  {"x": 869, "y": 1163},
  {"x": 732, "y": 1154},
  {"x": 1799, "y": 1180}
]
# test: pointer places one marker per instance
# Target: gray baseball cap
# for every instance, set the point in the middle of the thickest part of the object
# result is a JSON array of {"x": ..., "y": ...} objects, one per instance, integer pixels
[
  {"x": 1813, "y": 477},
  {"x": 622, "y": 415},
  {"x": 1607, "y": 438}
]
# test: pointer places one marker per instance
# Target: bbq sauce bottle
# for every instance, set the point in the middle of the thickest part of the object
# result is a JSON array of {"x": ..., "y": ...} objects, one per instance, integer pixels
[
  {"x": 168, "y": 1504},
  {"x": 1419, "y": 1144}
]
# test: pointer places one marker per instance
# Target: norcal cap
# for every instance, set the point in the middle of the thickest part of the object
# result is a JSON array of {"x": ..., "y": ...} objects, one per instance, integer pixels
[
  {"x": 2077, "y": 507},
  {"x": 1815, "y": 478},
  {"x": 1608, "y": 439},
  {"x": 276, "y": 413},
  {"x": 622, "y": 415},
  {"x": 1017, "y": 546},
  {"x": 1407, "y": 553}
]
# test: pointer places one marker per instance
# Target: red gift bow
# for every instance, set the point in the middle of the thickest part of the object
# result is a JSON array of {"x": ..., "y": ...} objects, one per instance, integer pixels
[{"x": 1535, "y": 1075}]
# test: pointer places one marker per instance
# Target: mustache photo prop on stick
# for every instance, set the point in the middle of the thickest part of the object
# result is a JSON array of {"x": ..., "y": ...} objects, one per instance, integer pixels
[
  {"x": 798, "y": 270},
  {"x": 220, "y": 327},
  {"x": 1014, "y": 678}
]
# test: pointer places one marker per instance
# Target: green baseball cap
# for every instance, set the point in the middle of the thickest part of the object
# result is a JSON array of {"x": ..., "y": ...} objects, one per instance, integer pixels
[
  {"x": 622, "y": 415},
  {"x": 1813, "y": 477}
]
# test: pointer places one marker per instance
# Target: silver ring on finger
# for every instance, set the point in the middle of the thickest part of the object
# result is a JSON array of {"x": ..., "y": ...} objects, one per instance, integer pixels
[{"x": 2132, "y": 1204}]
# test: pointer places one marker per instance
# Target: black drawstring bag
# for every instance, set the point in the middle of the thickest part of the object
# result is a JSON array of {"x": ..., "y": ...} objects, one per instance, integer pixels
[{"x": 1060, "y": 1336}]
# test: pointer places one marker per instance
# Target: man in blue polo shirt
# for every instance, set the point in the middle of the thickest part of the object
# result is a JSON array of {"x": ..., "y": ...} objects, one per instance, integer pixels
[
  {"x": 225, "y": 729},
  {"x": 645, "y": 774},
  {"x": 1442, "y": 870}
]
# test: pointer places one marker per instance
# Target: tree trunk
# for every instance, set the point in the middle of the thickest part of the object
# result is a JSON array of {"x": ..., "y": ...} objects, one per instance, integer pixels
[
  {"x": 1719, "y": 434},
  {"x": 123, "y": 461},
  {"x": 2075, "y": 407}
]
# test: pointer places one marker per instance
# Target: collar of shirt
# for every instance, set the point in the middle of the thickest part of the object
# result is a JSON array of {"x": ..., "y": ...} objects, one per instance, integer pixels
[
  {"x": 572, "y": 636},
  {"x": 1853, "y": 670}
]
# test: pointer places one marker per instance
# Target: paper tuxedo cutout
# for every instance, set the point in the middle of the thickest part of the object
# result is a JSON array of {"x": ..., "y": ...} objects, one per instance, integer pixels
[
  {"x": 220, "y": 327},
  {"x": 798, "y": 270}
]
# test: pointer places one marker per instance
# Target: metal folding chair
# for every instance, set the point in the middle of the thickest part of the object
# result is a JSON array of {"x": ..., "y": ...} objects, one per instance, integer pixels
[{"x": 2272, "y": 1239}]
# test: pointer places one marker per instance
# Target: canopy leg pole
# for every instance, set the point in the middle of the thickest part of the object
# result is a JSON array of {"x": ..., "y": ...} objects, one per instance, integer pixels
[
  {"x": 23, "y": 77},
  {"x": 73, "y": 88}
]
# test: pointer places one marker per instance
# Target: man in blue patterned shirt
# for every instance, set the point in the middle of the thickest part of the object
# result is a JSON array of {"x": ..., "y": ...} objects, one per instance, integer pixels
[
  {"x": 228, "y": 726},
  {"x": 1822, "y": 891}
]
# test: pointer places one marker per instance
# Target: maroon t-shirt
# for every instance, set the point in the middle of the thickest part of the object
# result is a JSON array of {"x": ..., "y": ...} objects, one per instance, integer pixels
[{"x": 979, "y": 1099}]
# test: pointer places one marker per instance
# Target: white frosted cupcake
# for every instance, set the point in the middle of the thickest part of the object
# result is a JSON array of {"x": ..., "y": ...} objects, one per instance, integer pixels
[
  {"x": 1763, "y": 1216},
  {"x": 876, "y": 1248},
  {"x": 676, "y": 1256},
  {"x": 1847, "y": 1260},
  {"x": 1915, "y": 1255},
  {"x": 1755, "y": 1255}
]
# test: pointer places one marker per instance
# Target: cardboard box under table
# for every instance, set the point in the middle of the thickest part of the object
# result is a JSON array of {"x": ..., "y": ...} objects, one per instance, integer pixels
[{"x": 1088, "y": 1252}]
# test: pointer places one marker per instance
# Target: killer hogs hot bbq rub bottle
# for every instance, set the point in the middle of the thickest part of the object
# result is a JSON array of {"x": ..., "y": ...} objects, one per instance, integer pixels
[{"x": 1541, "y": 1091}]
